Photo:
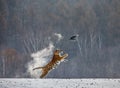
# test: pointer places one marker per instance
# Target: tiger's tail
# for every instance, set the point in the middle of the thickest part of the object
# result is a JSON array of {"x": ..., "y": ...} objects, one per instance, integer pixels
[{"x": 38, "y": 68}]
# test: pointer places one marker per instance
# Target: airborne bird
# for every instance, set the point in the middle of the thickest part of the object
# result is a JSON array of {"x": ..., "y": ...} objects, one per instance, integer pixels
[{"x": 74, "y": 37}]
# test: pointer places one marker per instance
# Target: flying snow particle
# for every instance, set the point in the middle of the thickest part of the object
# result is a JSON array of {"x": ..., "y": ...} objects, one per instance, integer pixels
[{"x": 59, "y": 36}]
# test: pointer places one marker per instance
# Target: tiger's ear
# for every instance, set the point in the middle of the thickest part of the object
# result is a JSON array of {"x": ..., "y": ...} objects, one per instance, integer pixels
[{"x": 56, "y": 52}]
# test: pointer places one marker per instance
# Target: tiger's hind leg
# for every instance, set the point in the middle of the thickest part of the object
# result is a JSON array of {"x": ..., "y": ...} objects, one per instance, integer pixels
[{"x": 44, "y": 73}]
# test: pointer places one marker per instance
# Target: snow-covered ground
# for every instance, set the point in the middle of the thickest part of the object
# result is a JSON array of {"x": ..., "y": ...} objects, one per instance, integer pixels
[{"x": 59, "y": 83}]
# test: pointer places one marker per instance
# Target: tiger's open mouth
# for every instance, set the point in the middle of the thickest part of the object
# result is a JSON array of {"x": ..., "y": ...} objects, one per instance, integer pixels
[{"x": 61, "y": 53}]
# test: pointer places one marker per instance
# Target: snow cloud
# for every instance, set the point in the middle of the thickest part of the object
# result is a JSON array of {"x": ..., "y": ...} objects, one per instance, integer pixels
[
  {"x": 59, "y": 36},
  {"x": 42, "y": 57}
]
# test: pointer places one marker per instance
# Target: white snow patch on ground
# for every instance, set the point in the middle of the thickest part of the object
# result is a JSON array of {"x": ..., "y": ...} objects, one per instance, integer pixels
[{"x": 59, "y": 83}]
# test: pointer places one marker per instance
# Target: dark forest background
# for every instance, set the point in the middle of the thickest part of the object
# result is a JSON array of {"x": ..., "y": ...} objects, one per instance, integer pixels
[{"x": 25, "y": 26}]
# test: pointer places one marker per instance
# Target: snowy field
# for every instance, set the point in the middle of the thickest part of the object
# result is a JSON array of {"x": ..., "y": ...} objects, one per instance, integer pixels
[{"x": 59, "y": 83}]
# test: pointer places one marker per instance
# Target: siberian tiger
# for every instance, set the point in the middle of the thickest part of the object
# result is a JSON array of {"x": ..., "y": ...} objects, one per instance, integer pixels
[{"x": 57, "y": 58}]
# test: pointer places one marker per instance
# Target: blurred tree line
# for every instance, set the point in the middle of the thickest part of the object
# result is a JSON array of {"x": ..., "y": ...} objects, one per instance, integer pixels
[{"x": 25, "y": 26}]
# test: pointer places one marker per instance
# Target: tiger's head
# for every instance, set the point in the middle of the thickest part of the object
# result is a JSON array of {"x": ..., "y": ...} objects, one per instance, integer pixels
[{"x": 58, "y": 52}]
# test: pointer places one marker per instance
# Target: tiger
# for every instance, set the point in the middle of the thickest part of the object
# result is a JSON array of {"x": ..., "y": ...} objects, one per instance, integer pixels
[{"x": 56, "y": 59}]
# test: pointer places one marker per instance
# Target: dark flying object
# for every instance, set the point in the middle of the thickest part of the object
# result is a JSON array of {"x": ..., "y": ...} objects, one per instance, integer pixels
[{"x": 74, "y": 37}]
